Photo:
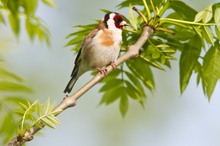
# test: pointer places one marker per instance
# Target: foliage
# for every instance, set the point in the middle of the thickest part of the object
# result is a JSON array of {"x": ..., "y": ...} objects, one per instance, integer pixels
[
  {"x": 13, "y": 90},
  {"x": 189, "y": 32},
  {"x": 36, "y": 114},
  {"x": 14, "y": 10}
]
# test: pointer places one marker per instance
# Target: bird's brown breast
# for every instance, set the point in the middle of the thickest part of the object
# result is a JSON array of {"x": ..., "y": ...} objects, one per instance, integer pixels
[{"x": 107, "y": 38}]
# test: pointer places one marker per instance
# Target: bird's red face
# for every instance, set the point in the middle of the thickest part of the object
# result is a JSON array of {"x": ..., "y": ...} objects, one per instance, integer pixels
[
  {"x": 119, "y": 21},
  {"x": 114, "y": 20}
]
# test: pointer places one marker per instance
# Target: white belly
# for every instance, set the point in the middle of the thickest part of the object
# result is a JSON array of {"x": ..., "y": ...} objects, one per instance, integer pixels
[{"x": 97, "y": 55}]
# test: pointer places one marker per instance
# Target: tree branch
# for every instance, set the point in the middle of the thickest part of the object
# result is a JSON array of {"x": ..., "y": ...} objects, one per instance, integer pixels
[{"x": 70, "y": 101}]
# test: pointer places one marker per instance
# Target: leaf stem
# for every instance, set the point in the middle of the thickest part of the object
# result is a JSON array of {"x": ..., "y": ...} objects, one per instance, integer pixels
[
  {"x": 152, "y": 5},
  {"x": 147, "y": 9},
  {"x": 170, "y": 20},
  {"x": 164, "y": 7}
]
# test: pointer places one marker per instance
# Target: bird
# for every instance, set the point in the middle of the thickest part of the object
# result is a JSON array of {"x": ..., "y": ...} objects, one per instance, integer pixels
[{"x": 99, "y": 48}]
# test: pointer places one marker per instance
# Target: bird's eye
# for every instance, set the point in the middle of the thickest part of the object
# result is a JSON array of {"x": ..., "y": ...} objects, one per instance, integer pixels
[{"x": 118, "y": 20}]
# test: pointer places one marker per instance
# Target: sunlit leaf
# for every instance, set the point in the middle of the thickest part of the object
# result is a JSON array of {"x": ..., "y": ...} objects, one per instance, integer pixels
[
  {"x": 47, "y": 106},
  {"x": 30, "y": 28},
  {"x": 199, "y": 16},
  {"x": 112, "y": 95},
  {"x": 208, "y": 35},
  {"x": 15, "y": 23},
  {"x": 217, "y": 30},
  {"x": 15, "y": 87},
  {"x": 198, "y": 30},
  {"x": 124, "y": 105},
  {"x": 6, "y": 128},
  {"x": 207, "y": 14},
  {"x": 132, "y": 18},
  {"x": 133, "y": 92},
  {"x": 48, "y": 122},
  {"x": 113, "y": 83},
  {"x": 162, "y": 46},
  {"x": 50, "y": 3},
  {"x": 188, "y": 59},
  {"x": 6, "y": 75},
  {"x": 184, "y": 10},
  {"x": 15, "y": 99},
  {"x": 136, "y": 82},
  {"x": 144, "y": 73},
  {"x": 211, "y": 67},
  {"x": 2, "y": 20},
  {"x": 217, "y": 15},
  {"x": 53, "y": 119},
  {"x": 30, "y": 6}
]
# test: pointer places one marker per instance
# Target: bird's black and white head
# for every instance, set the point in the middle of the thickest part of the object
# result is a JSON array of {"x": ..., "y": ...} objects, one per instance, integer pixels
[{"x": 114, "y": 21}]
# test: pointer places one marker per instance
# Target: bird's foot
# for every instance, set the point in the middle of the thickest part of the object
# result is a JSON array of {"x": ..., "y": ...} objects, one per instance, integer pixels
[
  {"x": 102, "y": 71},
  {"x": 113, "y": 65}
]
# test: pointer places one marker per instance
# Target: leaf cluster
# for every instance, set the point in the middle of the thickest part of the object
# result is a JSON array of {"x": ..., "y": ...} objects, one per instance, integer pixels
[
  {"x": 14, "y": 10},
  {"x": 189, "y": 32},
  {"x": 12, "y": 91},
  {"x": 36, "y": 114}
]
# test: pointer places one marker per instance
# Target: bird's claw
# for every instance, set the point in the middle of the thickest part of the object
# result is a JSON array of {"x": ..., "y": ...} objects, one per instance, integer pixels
[
  {"x": 102, "y": 71},
  {"x": 113, "y": 65}
]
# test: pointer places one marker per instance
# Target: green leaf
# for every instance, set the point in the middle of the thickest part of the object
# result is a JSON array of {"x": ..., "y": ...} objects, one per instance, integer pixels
[
  {"x": 47, "y": 106},
  {"x": 162, "y": 46},
  {"x": 124, "y": 105},
  {"x": 126, "y": 3},
  {"x": 23, "y": 106},
  {"x": 15, "y": 99},
  {"x": 30, "y": 6},
  {"x": 169, "y": 50},
  {"x": 15, "y": 87},
  {"x": 211, "y": 68},
  {"x": 217, "y": 31},
  {"x": 198, "y": 30},
  {"x": 184, "y": 10},
  {"x": 154, "y": 64},
  {"x": 144, "y": 72},
  {"x": 136, "y": 82},
  {"x": 56, "y": 112},
  {"x": 48, "y": 122},
  {"x": 105, "y": 11},
  {"x": 30, "y": 28},
  {"x": 6, "y": 128},
  {"x": 110, "y": 96},
  {"x": 132, "y": 18},
  {"x": 50, "y": 3},
  {"x": 207, "y": 14},
  {"x": 188, "y": 59},
  {"x": 199, "y": 16},
  {"x": 15, "y": 23},
  {"x": 217, "y": 16},
  {"x": 133, "y": 92},
  {"x": 6, "y": 75},
  {"x": 2, "y": 20},
  {"x": 113, "y": 83},
  {"x": 53, "y": 119},
  {"x": 208, "y": 35}
]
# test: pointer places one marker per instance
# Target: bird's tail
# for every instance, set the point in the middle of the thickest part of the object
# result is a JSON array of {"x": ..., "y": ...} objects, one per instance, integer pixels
[
  {"x": 74, "y": 77},
  {"x": 70, "y": 85}
]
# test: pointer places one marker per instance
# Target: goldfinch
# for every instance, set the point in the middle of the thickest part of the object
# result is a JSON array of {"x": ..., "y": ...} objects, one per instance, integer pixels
[{"x": 99, "y": 48}]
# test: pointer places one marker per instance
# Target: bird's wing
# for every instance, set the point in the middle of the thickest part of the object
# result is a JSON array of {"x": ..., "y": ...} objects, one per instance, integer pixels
[{"x": 86, "y": 42}]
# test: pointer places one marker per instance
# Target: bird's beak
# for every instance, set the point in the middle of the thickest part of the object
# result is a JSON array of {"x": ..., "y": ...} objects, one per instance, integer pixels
[{"x": 124, "y": 23}]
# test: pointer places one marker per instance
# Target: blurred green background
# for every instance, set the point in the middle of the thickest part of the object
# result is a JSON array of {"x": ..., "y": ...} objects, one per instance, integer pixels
[{"x": 168, "y": 119}]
